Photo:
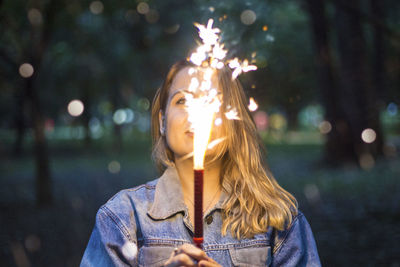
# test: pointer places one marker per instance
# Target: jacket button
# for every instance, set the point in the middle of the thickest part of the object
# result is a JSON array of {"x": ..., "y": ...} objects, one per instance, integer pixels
[{"x": 209, "y": 219}]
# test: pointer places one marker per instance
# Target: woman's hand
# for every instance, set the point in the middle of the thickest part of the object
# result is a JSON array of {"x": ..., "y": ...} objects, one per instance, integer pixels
[{"x": 191, "y": 256}]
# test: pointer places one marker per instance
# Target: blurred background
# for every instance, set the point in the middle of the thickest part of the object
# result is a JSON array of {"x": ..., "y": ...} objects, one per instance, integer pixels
[{"x": 77, "y": 79}]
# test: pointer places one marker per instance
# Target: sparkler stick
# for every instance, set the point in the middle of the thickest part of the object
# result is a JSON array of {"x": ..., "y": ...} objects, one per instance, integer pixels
[
  {"x": 203, "y": 103},
  {"x": 202, "y": 126},
  {"x": 198, "y": 211}
]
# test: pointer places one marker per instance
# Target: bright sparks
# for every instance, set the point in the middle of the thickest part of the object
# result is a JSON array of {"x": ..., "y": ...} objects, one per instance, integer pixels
[
  {"x": 252, "y": 105},
  {"x": 208, "y": 34},
  {"x": 203, "y": 101},
  {"x": 239, "y": 67},
  {"x": 212, "y": 52},
  {"x": 232, "y": 115}
]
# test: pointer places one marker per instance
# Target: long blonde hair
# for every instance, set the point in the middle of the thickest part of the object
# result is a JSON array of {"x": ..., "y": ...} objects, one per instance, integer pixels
[{"x": 255, "y": 200}]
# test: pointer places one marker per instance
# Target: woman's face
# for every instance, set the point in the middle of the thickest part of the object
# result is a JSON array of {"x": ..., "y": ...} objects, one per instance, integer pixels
[{"x": 177, "y": 128}]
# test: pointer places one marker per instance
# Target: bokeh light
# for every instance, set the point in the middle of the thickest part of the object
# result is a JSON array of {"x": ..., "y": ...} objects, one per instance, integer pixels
[
  {"x": 20, "y": 257},
  {"x": 224, "y": 17},
  {"x": 75, "y": 108},
  {"x": 96, "y": 7},
  {"x": 211, "y": 8},
  {"x": 142, "y": 8},
  {"x": 312, "y": 194},
  {"x": 143, "y": 104},
  {"x": 26, "y": 70},
  {"x": 119, "y": 116},
  {"x": 269, "y": 38},
  {"x": 32, "y": 243},
  {"x": 172, "y": 29},
  {"x": 392, "y": 109},
  {"x": 265, "y": 28},
  {"x": 248, "y": 17},
  {"x": 368, "y": 135},
  {"x": 261, "y": 62},
  {"x": 143, "y": 123},
  {"x": 390, "y": 150},
  {"x": 130, "y": 115},
  {"x": 325, "y": 127},
  {"x": 218, "y": 121},
  {"x": 49, "y": 126},
  {"x": 132, "y": 16},
  {"x": 129, "y": 250},
  {"x": 77, "y": 203},
  {"x": 152, "y": 16},
  {"x": 277, "y": 121},
  {"x": 311, "y": 117},
  {"x": 114, "y": 167},
  {"x": 96, "y": 129},
  {"x": 35, "y": 17},
  {"x": 261, "y": 120},
  {"x": 366, "y": 161}
]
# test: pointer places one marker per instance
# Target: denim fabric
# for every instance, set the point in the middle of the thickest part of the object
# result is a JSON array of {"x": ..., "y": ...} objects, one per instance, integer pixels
[{"x": 142, "y": 226}]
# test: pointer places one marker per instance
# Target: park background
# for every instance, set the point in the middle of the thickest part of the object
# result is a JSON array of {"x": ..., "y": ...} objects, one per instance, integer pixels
[{"x": 327, "y": 87}]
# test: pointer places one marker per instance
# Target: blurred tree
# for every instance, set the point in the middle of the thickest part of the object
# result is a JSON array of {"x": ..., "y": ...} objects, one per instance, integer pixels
[
  {"x": 9, "y": 66},
  {"x": 32, "y": 50},
  {"x": 350, "y": 99},
  {"x": 288, "y": 80},
  {"x": 335, "y": 144},
  {"x": 35, "y": 51},
  {"x": 114, "y": 55},
  {"x": 358, "y": 97},
  {"x": 378, "y": 49},
  {"x": 26, "y": 40}
]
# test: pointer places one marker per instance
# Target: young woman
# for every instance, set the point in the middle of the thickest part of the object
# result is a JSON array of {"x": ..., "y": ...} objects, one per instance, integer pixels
[{"x": 249, "y": 220}]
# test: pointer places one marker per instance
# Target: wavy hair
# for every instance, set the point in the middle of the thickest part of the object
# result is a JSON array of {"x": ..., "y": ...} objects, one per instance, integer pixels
[{"x": 255, "y": 200}]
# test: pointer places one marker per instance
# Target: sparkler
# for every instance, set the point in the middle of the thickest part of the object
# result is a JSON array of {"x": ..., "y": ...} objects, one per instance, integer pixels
[{"x": 203, "y": 103}]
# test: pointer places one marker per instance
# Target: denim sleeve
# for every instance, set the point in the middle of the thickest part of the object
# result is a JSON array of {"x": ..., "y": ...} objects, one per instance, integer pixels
[
  {"x": 296, "y": 246},
  {"x": 110, "y": 244}
]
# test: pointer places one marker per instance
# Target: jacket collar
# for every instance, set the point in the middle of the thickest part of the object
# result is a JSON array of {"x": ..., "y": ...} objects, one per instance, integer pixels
[{"x": 168, "y": 197}]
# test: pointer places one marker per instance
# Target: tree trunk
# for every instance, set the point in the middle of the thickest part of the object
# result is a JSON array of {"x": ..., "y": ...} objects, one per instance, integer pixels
[
  {"x": 43, "y": 179},
  {"x": 115, "y": 100},
  {"x": 378, "y": 50},
  {"x": 19, "y": 120},
  {"x": 292, "y": 112},
  {"x": 39, "y": 40},
  {"x": 336, "y": 146},
  {"x": 86, "y": 115},
  {"x": 357, "y": 97}
]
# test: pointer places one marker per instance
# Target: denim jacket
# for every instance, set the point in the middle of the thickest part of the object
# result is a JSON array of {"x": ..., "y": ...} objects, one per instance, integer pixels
[{"x": 142, "y": 226}]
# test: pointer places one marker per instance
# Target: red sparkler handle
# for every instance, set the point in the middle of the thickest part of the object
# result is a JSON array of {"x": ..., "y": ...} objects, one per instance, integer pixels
[{"x": 198, "y": 207}]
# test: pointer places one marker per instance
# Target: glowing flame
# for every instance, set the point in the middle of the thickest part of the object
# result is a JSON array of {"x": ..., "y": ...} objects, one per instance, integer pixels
[{"x": 202, "y": 106}]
